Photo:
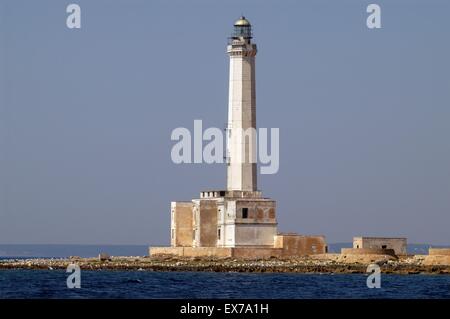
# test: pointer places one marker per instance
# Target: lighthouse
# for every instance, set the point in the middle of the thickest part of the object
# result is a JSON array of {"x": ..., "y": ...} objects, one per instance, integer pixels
[
  {"x": 241, "y": 128},
  {"x": 236, "y": 221}
]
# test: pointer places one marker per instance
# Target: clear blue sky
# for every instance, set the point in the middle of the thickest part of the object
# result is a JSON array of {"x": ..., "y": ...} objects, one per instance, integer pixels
[{"x": 86, "y": 116}]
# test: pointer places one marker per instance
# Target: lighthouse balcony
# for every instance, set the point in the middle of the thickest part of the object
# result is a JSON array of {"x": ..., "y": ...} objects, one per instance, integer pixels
[{"x": 230, "y": 194}]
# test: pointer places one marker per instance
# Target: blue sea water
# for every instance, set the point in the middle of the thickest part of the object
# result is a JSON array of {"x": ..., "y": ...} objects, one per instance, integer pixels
[
  {"x": 143, "y": 284},
  {"x": 136, "y": 284}
]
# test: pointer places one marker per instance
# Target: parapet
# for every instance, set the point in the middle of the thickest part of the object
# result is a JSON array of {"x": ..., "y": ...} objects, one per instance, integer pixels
[
  {"x": 439, "y": 251},
  {"x": 230, "y": 194},
  {"x": 367, "y": 251}
]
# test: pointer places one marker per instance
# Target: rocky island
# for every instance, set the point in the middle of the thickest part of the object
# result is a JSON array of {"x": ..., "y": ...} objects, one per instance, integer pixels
[{"x": 323, "y": 263}]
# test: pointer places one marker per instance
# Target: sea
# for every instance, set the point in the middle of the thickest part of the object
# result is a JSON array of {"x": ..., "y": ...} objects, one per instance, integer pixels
[{"x": 49, "y": 284}]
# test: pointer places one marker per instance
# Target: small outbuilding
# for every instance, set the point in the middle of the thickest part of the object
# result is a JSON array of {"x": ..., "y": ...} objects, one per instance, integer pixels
[{"x": 394, "y": 243}]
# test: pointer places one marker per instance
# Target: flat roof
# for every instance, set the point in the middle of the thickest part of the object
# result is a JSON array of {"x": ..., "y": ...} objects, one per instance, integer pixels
[{"x": 368, "y": 237}]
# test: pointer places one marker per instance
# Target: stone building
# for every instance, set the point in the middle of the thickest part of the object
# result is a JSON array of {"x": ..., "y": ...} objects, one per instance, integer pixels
[
  {"x": 237, "y": 221},
  {"x": 396, "y": 244}
]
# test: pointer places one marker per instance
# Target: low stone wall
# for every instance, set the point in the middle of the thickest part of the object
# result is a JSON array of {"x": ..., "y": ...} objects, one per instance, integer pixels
[
  {"x": 252, "y": 253},
  {"x": 206, "y": 252},
  {"x": 244, "y": 252},
  {"x": 191, "y": 251},
  {"x": 239, "y": 252},
  {"x": 437, "y": 260},
  {"x": 439, "y": 251},
  {"x": 438, "y": 256},
  {"x": 256, "y": 252},
  {"x": 367, "y": 251},
  {"x": 178, "y": 251},
  {"x": 365, "y": 255}
]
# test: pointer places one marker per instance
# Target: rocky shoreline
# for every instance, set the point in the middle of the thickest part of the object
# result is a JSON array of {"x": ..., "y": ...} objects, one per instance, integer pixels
[{"x": 324, "y": 264}]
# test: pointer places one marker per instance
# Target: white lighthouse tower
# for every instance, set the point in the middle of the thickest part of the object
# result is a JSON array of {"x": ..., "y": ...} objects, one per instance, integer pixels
[
  {"x": 248, "y": 219},
  {"x": 239, "y": 216},
  {"x": 241, "y": 128}
]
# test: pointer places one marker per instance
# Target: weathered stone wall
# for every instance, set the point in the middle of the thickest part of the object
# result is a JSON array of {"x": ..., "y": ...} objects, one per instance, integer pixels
[
  {"x": 367, "y": 251},
  {"x": 259, "y": 210},
  {"x": 299, "y": 245},
  {"x": 176, "y": 251},
  {"x": 191, "y": 251},
  {"x": 439, "y": 251},
  {"x": 205, "y": 223},
  {"x": 244, "y": 253},
  {"x": 207, "y": 251},
  {"x": 438, "y": 256},
  {"x": 181, "y": 224},
  {"x": 437, "y": 260},
  {"x": 364, "y": 259},
  {"x": 357, "y": 242},
  {"x": 255, "y": 235},
  {"x": 255, "y": 253},
  {"x": 397, "y": 244},
  {"x": 259, "y": 226}
]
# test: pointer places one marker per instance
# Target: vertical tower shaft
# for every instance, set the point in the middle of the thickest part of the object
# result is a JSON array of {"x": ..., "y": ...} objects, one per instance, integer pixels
[{"x": 241, "y": 130}]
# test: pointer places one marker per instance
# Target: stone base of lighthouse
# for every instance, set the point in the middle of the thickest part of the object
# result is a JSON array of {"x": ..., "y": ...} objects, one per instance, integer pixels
[{"x": 233, "y": 224}]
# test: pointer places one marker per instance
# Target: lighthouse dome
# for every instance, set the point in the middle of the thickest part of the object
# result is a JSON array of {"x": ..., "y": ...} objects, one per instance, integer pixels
[
  {"x": 242, "y": 22},
  {"x": 242, "y": 29}
]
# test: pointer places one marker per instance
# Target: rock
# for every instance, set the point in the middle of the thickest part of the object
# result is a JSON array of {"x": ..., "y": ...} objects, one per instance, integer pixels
[
  {"x": 74, "y": 258},
  {"x": 104, "y": 257}
]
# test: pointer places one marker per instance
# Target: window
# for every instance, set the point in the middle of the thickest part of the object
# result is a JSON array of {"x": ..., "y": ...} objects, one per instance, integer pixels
[
  {"x": 218, "y": 233},
  {"x": 383, "y": 246},
  {"x": 245, "y": 212},
  {"x": 173, "y": 232}
]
